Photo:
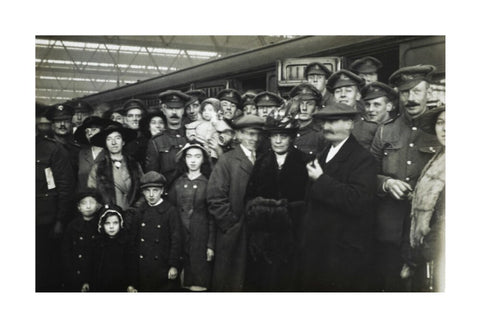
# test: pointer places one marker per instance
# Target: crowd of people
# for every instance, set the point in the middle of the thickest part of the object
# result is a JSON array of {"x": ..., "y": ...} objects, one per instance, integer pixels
[{"x": 340, "y": 186}]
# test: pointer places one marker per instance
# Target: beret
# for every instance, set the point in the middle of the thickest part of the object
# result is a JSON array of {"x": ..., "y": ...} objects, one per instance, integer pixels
[
  {"x": 407, "y": 77},
  {"x": 366, "y": 65},
  {"x": 343, "y": 78}
]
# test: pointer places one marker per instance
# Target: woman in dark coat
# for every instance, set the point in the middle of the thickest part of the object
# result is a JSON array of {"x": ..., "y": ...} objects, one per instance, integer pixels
[
  {"x": 274, "y": 201},
  {"x": 189, "y": 195}
]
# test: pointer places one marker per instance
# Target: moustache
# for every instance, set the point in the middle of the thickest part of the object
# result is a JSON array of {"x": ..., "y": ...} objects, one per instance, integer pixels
[
  {"x": 412, "y": 104},
  {"x": 327, "y": 131},
  {"x": 174, "y": 116}
]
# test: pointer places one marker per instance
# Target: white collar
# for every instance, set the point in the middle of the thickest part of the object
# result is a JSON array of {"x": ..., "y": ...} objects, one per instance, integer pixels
[
  {"x": 247, "y": 152},
  {"x": 334, "y": 150},
  {"x": 156, "y": 204},
  {"x": 281, "y": 159}
]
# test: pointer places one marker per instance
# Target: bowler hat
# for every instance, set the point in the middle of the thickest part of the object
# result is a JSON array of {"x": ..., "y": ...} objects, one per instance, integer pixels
[
  {"x": 336, "y": 111},
  {"x": 407, "y": 77},
  {"x": 428, "y": 120},
  {"x": 343, "y": 78},
  {"x": 89, "y": 122},
  {"x": 100, "y": 138},
  {"x": 152, "y": 179},
  {"x": 366, "y": 65}
]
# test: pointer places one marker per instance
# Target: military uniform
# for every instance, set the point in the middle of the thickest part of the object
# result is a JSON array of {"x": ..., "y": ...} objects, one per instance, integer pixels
[
  {"x": 367, "y": 66},
  {"x": 316, "y": 68},
  {"x": 344, "y": 78}
]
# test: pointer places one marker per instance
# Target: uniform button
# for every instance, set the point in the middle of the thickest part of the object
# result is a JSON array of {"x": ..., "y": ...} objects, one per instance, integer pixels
[
  {"x": 46, "y": 194},
  {"x": 185, "y": 185},
  {"x": 298, "y": 134},
  {"x": 38, "y": 160},
  {"x": 78, "y": 272},
  {"x": 142, "y": 240},
  {"x": 158, "y": 226},
  {"x": 432, "y": 149},
  {"x": 140, "y": 256},
  {"x": 156, "y": 257},
  {"x": 79, "y": 256},
  {"x": 407, "y": 179},
  {"x": 414, "y": 128},
  {"x": 143, "y": 224},
  {"x": 295, "y": 146},
  {"x": 195, "y": 186},
  {"x": 93, "y": 236},
  {"x": 385, "y": 153},
  {"x": 411, "y": 145},
  {"x": 178, "y": 135},
  {"x": 80, "y": 238},
  {"x": 311, "y": 152},
  {"x": 409, "y": 162}
]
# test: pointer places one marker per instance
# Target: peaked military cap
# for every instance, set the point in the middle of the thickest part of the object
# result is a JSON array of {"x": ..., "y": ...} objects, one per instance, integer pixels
[
  {"x": 378, "y": 89},
  {"x": 89, "y": 122},
  {"x": 336, "y": 111},
  {"x": 174, "y": 98},
  {"x": 247, "y": 98},
  {"x": 230, "y": 95},
  {"x": 195, "y": 95},
  {"x": 133, "y": 104},
  {"x": 248, "y": 121},
  {"x": 266, "y": 98},
  {"x": 152, "y": 179},
  {"x": 60, "y": 112},
  {"x": 366, "y": 65},
  {"x": 407, "y": 77},
  {"x": 306, "y": 91},
  {"x": 317, "y": 68},
  {"x": 82, "y": 106},
  {"x": 343, "y": 78}
]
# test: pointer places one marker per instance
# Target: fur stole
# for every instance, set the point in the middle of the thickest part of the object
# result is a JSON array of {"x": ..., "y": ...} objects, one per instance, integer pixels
[{"x": 425, "y": 196}]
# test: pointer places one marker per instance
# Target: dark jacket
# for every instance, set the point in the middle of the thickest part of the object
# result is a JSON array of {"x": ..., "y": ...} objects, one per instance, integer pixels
[
  {"x": 85, "y": 164},
  {"x": 52, "y": 201},
  {"x": 225, "y": 196},
  {"x": 339, "y": 220},
  {"x": 309, "y": 140},
  {"x": 137, "y": 149},
  {"x": 198, "y": 228},
  {"x": 158, "y": 242}
]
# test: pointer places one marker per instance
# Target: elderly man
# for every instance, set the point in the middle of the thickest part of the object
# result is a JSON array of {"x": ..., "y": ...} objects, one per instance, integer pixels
[
  {"x": 225, "y": 197},
  {"x": 346, "y": 87},
  {"x": 192, "y": 106},
  {"x": 367, "y": 68},
  {"x": 162, "y": 148},
  {"x": 340, "y": 208},
  {"x": 403, "y": 150},
  {"x": 379, "y": 102},
  {"x": 230, "y": 101},
  {"x": 309, "y": 138},
  {"x": 317, "y": 74}
]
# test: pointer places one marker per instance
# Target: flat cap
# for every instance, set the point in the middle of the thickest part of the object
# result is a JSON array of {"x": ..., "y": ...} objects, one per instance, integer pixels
[
  {"x": 268, "y": 99},
  {"x": 195, "y": 95},
  {"x": 87, "y": 191},
  {"x": 428, "y": 120},
  {"x": 231, "y": 95},
  {"x": 82, "y": 106},
  {"x": 318, "y": 69},
  {"x": 343, "y": 78},
  {"x": 407, "y": 77},
  {"x": 60, "y": 112},
  {"x": 378, "y": 89},
  {"x": 366, "y": 65},
  {"x": 152, "y": 179},
  {"x": 248, "y": 121},
  {"x": 336, "y": 111},
  {"x": 174, "y": 98},
  {"x": 306, "y": 91},
  {"x": 133, "y": 104}
]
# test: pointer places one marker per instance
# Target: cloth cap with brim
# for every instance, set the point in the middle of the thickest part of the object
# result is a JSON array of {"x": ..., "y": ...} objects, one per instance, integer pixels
[
  {"x": 174, "y": 98},
  {"x": 60, "y": 112},
  {"x": 336, "y": 111},
  {"x": 152, "y": 179},
  {"x": 100, "y": 138},
  {"x": 343, "y": 78},
  {"x": 248, "y": 121},
  {"x": 428, "y": 120},
  {"x": 407, "y": 77},
  {"x": 85, "y": 192},
  {"x": 133, "y": 104},
  {"x": 268, "y": 99},
  {"x": 191, "y": 145},
  {"x": 305, "y": 91},
  {"x": 366, "y": 65},
  {"x": 82, "y": 106},
  {"x": 230, "y": 95},
  {"x": 318, "y": 69},
  {"x": 376, "y": 90},
  {"x": 247, "y": 98},
  {"x": 194, "y": 96},
  {"x": 89, "y": 122},
  {"x": 107, "y": 210}
]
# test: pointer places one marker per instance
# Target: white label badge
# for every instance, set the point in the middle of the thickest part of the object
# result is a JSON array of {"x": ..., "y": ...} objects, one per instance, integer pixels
[{"x": 49, "y": 177}]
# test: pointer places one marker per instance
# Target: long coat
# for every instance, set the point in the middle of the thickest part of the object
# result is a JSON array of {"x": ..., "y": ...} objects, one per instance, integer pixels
[
  {"x": 85, "y": 164},
  {"x": 339, "y": 220},
  {"x": 272, "y": 241},
  {"x": 198, "y": 228},
  {"x": 225, "y": 197}
]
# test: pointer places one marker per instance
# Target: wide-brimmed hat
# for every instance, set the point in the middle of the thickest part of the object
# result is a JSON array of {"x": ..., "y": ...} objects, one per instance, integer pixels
[
  {"x": 191, "y": 145},
  {"x": 336, "y": 111},
  {"x": 428, "y": 120},
  {"x": 282, "y": 120},
  {"x": 89, "y": 122},
  {"x": 127, "y": 134},
  {"x": 152, "y": 179}
]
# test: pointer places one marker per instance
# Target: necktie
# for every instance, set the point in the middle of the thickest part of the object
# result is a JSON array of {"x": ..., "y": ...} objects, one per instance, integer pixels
[{"x": 252, "y": 157}]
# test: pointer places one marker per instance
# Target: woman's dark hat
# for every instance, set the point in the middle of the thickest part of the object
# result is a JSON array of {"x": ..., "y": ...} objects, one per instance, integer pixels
[
  {"x": 89, "y": 122},
  {"x": 127, "y": 134},
  {"x": 282, "y": 120},
  {"x": 428, "y": 120}
]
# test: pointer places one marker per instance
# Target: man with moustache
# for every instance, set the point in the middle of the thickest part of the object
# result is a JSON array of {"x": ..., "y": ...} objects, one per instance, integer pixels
[
  {"x": 192, "y": 106},
  {"x": 307, "y": 99},
  {"x": 402, "y": 149},
  {"x": 317, "y": 74},
  {"x": 367, "y": 68},
  {"x": 340, "y": 208},
  {"x": 345, "y": 87},
  {"x": 162, "y": 148},
  {"x": 230, "y": 100},
  {"x": 379, "y": 99}
]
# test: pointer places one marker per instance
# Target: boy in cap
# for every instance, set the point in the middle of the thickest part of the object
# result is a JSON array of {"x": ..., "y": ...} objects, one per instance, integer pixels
[
  {"x": 158, "y": 237},
  {"x": 317, "y": 74},
  {"x": 367, "y": 68}
]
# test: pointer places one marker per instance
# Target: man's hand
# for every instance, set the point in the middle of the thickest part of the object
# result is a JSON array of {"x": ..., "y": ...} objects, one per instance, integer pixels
[
  {"x": 397, "y": 188},
  {"x": 172, "y": 273},
  {"x": 213, "y": 144},
  {"x": 131, "y": 289},
  {"x": 210, "y": 254},
  {"x": 314, "y": 170},
  {"x": 85, "y": 287}
]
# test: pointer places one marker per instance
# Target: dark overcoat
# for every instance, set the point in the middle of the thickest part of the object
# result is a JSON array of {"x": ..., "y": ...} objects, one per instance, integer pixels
[
  {"x": 198, "y": 228},
  {"x": 339, "y": 220},
  {"x": 85, "y": 164},
  {"x": 225, "y": 196}
]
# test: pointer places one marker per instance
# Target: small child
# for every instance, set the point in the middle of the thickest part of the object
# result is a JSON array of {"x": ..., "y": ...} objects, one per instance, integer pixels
[
  {"x": 78, "y": 241},
  {"x": 158, "y": 237},
  {"x": 114, "y": 260}
]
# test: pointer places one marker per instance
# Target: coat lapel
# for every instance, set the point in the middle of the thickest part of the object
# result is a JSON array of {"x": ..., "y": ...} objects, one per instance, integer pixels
[
  {"x": 244, "y": 163},
  {"x": 341, "y": 156}
]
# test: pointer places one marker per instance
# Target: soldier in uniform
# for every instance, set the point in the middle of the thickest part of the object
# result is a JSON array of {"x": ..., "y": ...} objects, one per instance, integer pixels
[
  {"x": 83, "y": 110},
  {"x": 379, "y": 99},
  {"x": 230, "y": 101},
  {"x": 192, "y": 106},
  {"x": 61, "y": 117},
  {"x": 248, "y": 105},
  {"x": 317, "y": 74},
  {"x": 54, "y": 186},
  {"x": 345, "y": 87},
  {"x": 309, "y": 138},
  {"x": 133, "y": 111},
  {"x": 266, "y": 102},
  {"x": 162, "y": 148},
  {"x": 403, "y": 149},
  {"x": 367, "y": 68}
]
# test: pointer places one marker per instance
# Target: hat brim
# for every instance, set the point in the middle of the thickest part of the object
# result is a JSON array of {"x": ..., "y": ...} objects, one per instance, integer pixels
[
  {"x": 427, "y": 121},
  {"x": 151, "y": 185},
  {"x": 188, "y": 146},
  {"x": 100, "y": 138}
]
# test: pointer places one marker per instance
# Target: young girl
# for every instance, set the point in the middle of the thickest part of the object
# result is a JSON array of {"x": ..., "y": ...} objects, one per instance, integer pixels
[
  {"x": 114, "y": 261},
  {"x": 188, "y": 193}
]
